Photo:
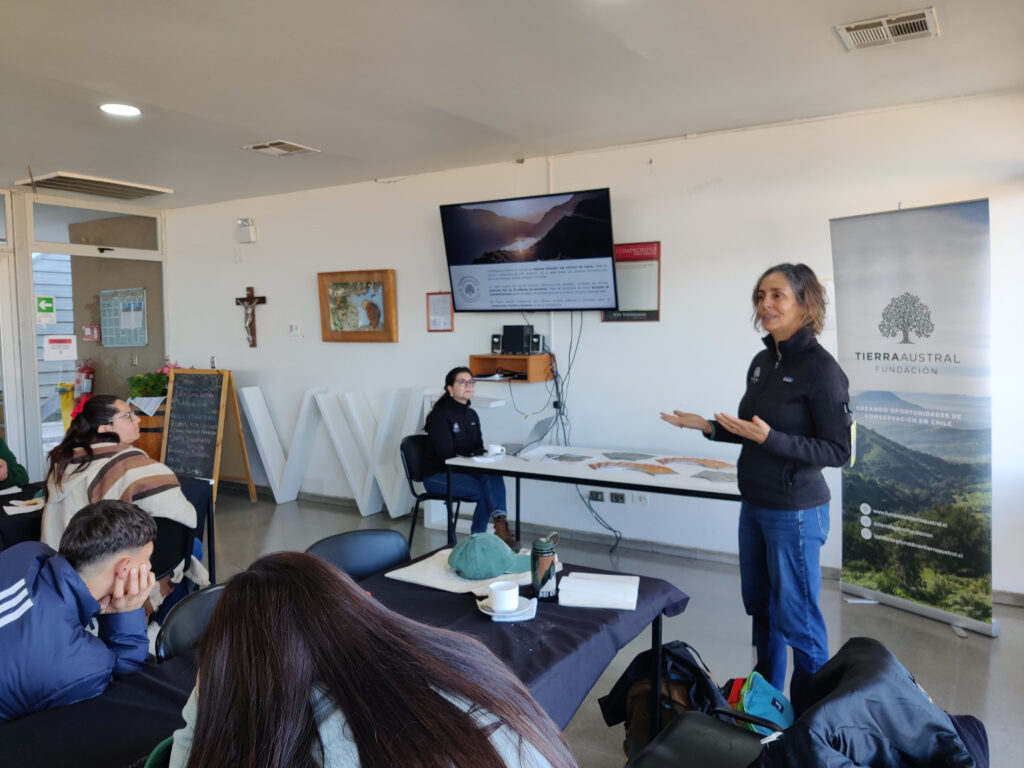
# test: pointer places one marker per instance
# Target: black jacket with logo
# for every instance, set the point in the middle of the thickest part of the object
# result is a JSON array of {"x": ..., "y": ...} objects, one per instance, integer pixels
[
  {"x": 454, "y": 430},
  {"x": 802, "y": 394}
]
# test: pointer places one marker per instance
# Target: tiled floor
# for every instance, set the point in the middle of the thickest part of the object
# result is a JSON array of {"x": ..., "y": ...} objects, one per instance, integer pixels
[{"x": 975, "y": 675}]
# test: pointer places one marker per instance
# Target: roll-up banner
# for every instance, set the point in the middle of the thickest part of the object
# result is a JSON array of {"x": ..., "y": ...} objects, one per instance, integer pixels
[{"x": 914, "y": 329}]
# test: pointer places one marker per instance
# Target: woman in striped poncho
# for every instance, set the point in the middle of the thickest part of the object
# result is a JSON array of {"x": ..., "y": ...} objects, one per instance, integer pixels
[{"x": 96, "y": 460}]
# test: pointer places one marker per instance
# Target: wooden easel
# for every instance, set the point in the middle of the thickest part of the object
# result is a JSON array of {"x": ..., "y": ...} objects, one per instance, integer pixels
[{"x": 195, "y": 430}]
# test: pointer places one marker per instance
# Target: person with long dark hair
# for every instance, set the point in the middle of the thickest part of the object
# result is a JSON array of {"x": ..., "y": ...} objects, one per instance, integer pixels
[
  {"x": 454, "y": 430},
  {"x": 96, "y": 460},
  {"x": 300, "y": 667},
  {"x": 793, "y": 420}
]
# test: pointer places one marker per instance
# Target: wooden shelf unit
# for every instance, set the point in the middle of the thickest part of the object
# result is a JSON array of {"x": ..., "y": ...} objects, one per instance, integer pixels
[{"x": 516, "y": 367}]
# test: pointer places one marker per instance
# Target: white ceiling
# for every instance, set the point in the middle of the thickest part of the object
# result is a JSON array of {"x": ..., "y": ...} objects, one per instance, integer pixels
[{"x": 396, "y": 87}]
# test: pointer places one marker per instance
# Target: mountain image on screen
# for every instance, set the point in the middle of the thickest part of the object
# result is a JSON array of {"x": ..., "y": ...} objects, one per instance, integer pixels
[{"x": 575, "y": 226}]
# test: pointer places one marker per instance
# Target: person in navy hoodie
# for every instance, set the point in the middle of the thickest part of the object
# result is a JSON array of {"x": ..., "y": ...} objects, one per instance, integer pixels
[
  {"x": 793, "y": 420},
  {"x": 49, "y": 602}
]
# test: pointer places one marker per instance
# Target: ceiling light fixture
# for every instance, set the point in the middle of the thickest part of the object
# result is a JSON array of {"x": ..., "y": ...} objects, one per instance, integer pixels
[{"x": 121, "y": 110}]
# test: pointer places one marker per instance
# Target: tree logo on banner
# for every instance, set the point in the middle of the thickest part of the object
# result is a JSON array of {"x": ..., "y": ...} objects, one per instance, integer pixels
[{"x": 904, "y": 314}]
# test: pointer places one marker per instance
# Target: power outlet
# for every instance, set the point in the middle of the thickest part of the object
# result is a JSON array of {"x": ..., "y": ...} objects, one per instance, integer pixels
[
  {"x": 597, "y": 496},
  {"x": 617, "y": 498}
]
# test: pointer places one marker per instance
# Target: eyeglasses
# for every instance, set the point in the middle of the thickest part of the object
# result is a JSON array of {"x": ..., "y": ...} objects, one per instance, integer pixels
[
  {"x": 465, "y": 382},
  {"x": 126, "y": 416}
]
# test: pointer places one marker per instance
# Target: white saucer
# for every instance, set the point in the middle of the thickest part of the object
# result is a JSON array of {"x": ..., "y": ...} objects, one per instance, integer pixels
[{"x": 523, "y": 607}]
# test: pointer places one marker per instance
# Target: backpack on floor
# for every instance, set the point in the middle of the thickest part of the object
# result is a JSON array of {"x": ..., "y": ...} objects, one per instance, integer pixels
[{"x": 686, "y": 684}]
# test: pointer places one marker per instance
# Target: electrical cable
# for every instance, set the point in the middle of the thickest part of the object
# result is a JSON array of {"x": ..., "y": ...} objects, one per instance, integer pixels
[{"x": 601, "y": 521}]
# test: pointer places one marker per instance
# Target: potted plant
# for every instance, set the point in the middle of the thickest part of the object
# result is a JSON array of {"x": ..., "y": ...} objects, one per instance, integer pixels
[{"x": 151, "y": 428}]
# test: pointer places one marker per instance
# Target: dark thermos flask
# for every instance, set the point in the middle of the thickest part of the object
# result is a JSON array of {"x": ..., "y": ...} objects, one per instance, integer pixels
[{"x": 542, "y": 567}]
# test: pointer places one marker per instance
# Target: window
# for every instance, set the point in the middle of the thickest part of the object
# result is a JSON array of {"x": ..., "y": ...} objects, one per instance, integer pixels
[{"x": 86, "y": 226}]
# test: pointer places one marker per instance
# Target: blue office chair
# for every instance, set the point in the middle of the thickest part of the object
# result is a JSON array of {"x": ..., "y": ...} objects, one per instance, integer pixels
[
  {"x": 414, "y": 450},
  {"x": 185, "y": 622},
  {"x": 363, "y": 553}
]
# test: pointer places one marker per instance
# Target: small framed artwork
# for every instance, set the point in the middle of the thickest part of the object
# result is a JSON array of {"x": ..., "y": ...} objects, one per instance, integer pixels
[
  {"x": 358, "y": 306},
  {"x": 637, "y": 283},
  {"x": 440, "y": 312}
]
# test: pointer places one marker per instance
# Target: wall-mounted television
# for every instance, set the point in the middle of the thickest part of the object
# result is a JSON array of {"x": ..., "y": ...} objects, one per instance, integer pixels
[{"x": 545, "y": 252}]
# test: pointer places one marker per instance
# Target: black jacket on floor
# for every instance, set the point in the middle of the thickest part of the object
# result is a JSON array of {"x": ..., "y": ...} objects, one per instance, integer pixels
[{"x": 868, "y": 710}]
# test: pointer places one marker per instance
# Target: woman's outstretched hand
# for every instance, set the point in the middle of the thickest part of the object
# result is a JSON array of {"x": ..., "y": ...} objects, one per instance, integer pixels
[
  {"x": 685, "y": 420},
  {"x": 756, "y": 430}
]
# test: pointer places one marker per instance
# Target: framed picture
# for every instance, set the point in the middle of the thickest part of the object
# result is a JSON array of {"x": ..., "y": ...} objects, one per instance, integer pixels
[
  {"x": 637, "y": 282},
  {"x": 358, "y": 306},
  {"x": 440, "y": 312}
]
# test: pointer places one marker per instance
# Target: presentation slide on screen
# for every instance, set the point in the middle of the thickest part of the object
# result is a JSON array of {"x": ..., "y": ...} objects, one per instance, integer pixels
[{"x": 568, "y": 284}]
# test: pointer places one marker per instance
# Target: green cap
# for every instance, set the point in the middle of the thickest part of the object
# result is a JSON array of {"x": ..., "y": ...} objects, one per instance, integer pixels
[{"x": 484, "y": 556}]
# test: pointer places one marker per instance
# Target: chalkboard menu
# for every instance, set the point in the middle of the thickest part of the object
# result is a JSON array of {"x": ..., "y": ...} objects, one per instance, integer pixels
[{"x": 195, "y": 420}]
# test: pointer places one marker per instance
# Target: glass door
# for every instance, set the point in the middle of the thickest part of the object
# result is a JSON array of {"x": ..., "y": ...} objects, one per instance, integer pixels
[{"x": 87, "y": 299}]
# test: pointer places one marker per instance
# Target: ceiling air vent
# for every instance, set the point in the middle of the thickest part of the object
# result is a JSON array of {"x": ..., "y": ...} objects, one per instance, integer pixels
[
  {"x": 886, "y": 30},
  {"x": 92, "y": 185},
  {"x": 280, "y": 148}
]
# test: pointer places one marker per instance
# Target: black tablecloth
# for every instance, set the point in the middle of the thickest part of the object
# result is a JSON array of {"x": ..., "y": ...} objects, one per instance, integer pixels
[
  {"x": 117, "y": 729},
  {"x": 560, "y": 654},
  {"x": 23, "y": 527}
]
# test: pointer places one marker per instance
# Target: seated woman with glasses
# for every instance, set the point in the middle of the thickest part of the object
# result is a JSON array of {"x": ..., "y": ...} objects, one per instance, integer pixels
[
  {"x": 343, "y": 681},
  {"x": 96, "y": 460},
  {"x": 454, "y": 430}
]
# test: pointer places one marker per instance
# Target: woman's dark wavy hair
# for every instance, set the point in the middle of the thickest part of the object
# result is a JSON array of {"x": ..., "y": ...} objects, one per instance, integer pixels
[
  {"x": 449, "y": 380},
  {"x": 809, "y": 292},
  {"x": 84, "y": 433},
  {"x": 293, "y": 621}
]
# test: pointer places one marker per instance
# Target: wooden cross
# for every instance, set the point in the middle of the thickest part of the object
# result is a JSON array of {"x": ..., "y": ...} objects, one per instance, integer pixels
[{"x": 249, "y": 301}]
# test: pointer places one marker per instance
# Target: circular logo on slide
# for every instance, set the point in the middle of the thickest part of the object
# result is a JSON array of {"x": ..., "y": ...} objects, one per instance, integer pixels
[{"x": 469, "y": 289}]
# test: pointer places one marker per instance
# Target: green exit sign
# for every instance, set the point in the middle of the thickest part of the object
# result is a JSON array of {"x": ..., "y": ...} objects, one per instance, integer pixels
[{"x": 46, "y": 310}]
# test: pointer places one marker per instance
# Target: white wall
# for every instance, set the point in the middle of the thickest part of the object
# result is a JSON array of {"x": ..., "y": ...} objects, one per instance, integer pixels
[{"x": 724, "y": 207}]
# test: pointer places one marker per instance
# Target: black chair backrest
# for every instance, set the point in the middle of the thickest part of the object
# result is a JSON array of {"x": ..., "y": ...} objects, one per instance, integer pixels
[
  {"x": 363, "y": 553},
  {"x": 173, "y": 544},
  {"x": 414, "y": 453},
  {"x": 185, "y": 622}
]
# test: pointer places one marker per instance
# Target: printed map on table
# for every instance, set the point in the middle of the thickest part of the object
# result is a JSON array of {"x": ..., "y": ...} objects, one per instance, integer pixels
[
  {"x": 650, "y": 469},
  {"x": 709, "y": 463}
]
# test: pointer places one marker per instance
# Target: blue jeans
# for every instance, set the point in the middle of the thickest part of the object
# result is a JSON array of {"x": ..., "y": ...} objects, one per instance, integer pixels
[
  {"x": 488, "y": 491},
  {"x": 780, "y": 573}
]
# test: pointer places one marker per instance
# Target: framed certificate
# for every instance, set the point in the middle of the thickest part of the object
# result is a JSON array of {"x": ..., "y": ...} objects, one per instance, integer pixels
[{"x": 440, "y": 312}]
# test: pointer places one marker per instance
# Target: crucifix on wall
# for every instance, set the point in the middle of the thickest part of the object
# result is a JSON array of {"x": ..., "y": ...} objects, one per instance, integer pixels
[{"x": 249, "y": 301}]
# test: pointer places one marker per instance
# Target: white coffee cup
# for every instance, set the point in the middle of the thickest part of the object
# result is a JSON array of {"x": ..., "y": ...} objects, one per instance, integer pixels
[
  {"x": 495, "y": 449},
  {"x": 503, "y": 596}
]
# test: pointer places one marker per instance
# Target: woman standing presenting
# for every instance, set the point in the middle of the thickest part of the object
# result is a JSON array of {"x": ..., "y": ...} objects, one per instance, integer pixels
[
  {"x": 793, "y": 420},
  {"x": 454, "y": 430}
]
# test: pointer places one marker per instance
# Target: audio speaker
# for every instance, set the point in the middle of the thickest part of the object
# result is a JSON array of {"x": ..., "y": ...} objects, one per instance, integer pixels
[
  {"x": 495, "y": 343},
  {"x": 536, "y": 343},
  {"x": 516, "y": 339}
]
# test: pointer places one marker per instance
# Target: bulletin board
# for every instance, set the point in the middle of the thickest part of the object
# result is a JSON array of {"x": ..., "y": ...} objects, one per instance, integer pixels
[{"x": 123, "y": 317}]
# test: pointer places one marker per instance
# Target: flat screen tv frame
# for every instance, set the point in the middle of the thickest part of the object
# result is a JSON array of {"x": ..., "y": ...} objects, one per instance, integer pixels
[{"x": 538, "y": 253}]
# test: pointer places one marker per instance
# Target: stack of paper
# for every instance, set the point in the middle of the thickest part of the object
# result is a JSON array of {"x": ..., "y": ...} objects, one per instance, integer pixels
[
  {"x": 599, "y": 590},
  {"x": 19, "y": 507}
]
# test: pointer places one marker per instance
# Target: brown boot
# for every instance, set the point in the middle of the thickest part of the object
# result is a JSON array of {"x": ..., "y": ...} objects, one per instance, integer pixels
[{"x": 502, "y": 532}]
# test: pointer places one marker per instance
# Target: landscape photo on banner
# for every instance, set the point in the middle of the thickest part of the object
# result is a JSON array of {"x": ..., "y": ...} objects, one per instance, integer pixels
[{"x": 914, "y": 331}]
